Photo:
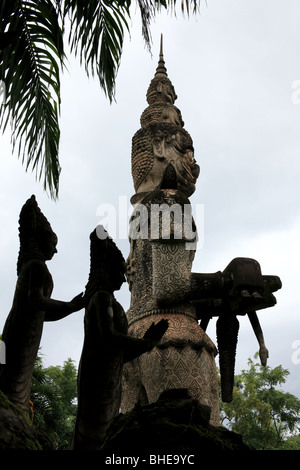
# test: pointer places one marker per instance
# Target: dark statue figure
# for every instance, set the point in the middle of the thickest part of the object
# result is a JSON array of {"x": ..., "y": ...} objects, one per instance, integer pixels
[
  {"x": 32, "y": 305},
  {"x": 106, "y": 345}
]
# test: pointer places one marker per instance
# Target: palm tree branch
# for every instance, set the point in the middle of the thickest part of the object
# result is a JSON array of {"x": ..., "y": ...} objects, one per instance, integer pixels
[
  {"x": 31, "y": 54},
  {"x": 30, "y": 70},
  {"x": 149, "y": 9},
  {"x": 100, "y": 44}
]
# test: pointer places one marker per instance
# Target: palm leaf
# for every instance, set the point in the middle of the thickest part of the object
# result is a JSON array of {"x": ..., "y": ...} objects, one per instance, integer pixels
[
  {"x": 29, "y": 67},
  {"x": 97, "y": 32},
  {"x": 97, "y": 35},
  {"x": 31, "y": 54},
  {"x": 149, "y": 9}
]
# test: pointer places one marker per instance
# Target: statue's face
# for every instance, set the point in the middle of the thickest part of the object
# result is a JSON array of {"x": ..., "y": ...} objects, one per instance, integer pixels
[
  {"x": 116, "y": 276},
  {"x": 181, "y": 156},
  {"x": 163, "y": 153},
  {"x": 161, "y": 90},
  {"x": 175, "y": 149},
  {"x": 167, "y": 94},
  {"x": 48, "y": 246},
  {"x": 120, "y": 279}
]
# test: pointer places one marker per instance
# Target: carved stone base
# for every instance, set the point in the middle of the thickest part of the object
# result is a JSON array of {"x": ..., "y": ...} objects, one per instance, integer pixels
[
  {"x": 181, "y": 361},
  {"x": 174, "y": 425}
]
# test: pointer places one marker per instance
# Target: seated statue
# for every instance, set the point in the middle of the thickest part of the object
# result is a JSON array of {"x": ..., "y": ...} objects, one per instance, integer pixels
[
  {"x": 106, "y": 345},
  {"x": 32, "y": 305}
]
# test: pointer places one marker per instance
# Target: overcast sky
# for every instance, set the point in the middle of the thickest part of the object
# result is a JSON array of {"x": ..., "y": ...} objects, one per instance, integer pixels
[{"x": 233, "y": 68}]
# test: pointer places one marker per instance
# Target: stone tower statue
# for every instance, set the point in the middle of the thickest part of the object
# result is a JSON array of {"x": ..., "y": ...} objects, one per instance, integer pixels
[
  {"x": 164, "y": 174},
  {"x": 163, "y": 241}
]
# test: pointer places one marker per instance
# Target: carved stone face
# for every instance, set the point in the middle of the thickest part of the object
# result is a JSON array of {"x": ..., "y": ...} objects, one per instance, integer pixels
[
  {"x": 179, "y": 153},
  {"x": 172, "y": 149},
  {"x": 161, "y": 90},
  {"x": 116, "y": 275},
  {"x": 48, "y": 245},
  {"x": 162, "y": 150}
]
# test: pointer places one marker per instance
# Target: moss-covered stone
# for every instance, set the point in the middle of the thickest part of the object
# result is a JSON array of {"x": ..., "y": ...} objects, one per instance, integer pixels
[
  {"x": 16, "y": 431},
  {"x": 174, "y": 424}
]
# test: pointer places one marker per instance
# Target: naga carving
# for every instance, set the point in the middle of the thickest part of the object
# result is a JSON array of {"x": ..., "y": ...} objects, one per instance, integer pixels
[
  {"x": 159, "y": 269},
  {"x": 107, "y": 346},
  {"x": 32, "y": 305}
]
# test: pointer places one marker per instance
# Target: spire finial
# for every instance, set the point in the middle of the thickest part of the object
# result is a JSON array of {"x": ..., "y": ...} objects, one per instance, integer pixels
[
  {"x": 161, "y": 68},
  {"x": 161, "y": 53}
]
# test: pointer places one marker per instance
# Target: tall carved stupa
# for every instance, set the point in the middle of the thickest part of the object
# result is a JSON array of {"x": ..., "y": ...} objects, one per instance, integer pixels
[
  {"x": 164, "y": 174},
  {"x": 163, "y": 240}
]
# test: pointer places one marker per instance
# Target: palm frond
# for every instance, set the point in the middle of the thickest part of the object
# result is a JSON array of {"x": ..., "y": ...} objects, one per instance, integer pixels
[
  {"x": 97, "y": 35},
  {"x": 186, "y": 6},
  {"x": 150, "y": 8},
  {"x": 31, "y": 54},
  {"x": 30, "y": 66}
]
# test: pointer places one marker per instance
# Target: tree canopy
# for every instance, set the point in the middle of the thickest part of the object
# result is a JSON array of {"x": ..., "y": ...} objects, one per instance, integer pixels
[
  {"x": 54, "y": 401},
  {"x": 265, "y": 415},
  {"x": 32, "y": 55},
  {"x": 261, "y": 412}
]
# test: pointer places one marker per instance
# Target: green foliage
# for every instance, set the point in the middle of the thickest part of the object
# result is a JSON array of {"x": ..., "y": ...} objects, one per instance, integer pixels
[
  {"x": 100, "y": 44},
  {"x": 32, "y": 55},
  {"x": 29, "y": 67},
  {"x": 291, "y": 443},
  {"x": 263, "y": 414},
  {"x": 53, "y": 397}
]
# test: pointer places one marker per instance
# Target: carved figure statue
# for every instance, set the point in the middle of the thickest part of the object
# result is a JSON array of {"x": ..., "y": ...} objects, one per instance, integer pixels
[
  {"x": 32, "y": 304},
  {"x": 106, "y": 347},
  {"x": 163, "y": 241}
]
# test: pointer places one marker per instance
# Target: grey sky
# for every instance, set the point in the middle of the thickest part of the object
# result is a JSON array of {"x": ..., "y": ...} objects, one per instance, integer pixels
[{"x": 233, "y": 69}]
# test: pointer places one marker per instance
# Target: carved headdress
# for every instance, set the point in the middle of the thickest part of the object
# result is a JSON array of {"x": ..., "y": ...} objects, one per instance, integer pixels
[
  {"x": 105, "y": 260},
  {"x": 33, "y": 229},
  {"x": 160, "y": 135}
]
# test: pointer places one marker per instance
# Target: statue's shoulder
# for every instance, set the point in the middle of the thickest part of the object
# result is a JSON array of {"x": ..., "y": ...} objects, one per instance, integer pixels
[
  {"x": 36, "y": 264},
  {"x": 35, "y": 268},
  {"x": 102, "y": 298}
]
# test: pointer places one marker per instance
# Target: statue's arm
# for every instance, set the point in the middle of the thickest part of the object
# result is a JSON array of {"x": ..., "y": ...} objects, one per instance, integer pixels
[
  {"x": 54, "y": 309},
  {"x": 104, "y": 304},
  {"x": 171, "y": 276},
  {"x": 208, "y": 285},
  {"x": 135, "y": 347},
  {"x": 263, "y": 351},
  {"x": 173, "y": 280},
  {"x": 58, "y": 309},
  {"x": 151, "y": 338}
]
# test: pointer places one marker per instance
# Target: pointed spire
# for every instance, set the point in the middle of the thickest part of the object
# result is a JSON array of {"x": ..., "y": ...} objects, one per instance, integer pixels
[{"x": 161, "y": 68}]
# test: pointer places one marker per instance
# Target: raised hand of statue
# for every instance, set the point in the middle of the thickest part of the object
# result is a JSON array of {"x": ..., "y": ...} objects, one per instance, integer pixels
[
  {"x": 77, "y": 303},
  {"x": 155, "y": 332}
]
